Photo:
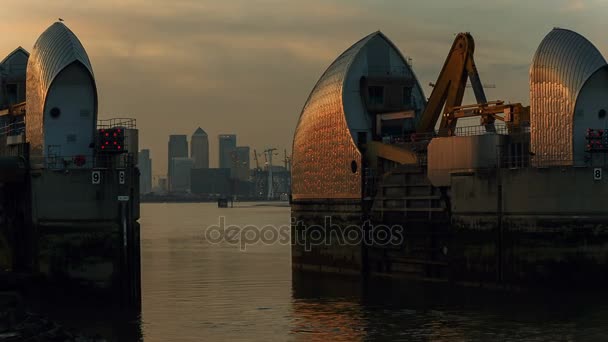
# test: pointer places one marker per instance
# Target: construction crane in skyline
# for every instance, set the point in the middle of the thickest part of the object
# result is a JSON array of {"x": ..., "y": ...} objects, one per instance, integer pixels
[
  {"x": 268, "y": 153},
  {"x": 255, "y": 158},
  {"x": 287, "y": 161}
]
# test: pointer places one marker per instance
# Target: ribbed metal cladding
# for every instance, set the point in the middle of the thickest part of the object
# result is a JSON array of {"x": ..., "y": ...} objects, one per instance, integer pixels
[
  {"x": 54, "y": 50},
  {"x": 323, "y": 148},
  {"x": 562, "y": 63},
  {"x": 326, "y": 163}
]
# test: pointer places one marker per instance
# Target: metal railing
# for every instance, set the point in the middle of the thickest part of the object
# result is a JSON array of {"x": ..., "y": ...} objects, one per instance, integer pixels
[
  {"x": 547, "y": 161},
  {"x": 458, "y": 131},
  {"x": 128, "y": 123},
  {"x": 100, "y": 161},
  {"x": 14, "y": 128},
  {"x": 515, "y": 154}
]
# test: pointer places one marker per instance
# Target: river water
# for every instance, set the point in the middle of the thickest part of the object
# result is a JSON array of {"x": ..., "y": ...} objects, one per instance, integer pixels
[{"x": 195, "y": 290}]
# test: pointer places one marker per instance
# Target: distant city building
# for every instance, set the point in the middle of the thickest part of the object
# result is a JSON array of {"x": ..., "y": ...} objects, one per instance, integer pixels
[
  {"x": 242, "y": 163},
  {"x": 162, "y": 186},
  {"x": 227, "y": 147},
  {"x": 180, "y": 181},
  {"x": 281, "y": 182},
  {"x": 12, "y": 78},
  {"x": 145, "y": 170},
  {"x": 178, "y": 148},
  {"x": 211, "y": 181},
  {"x": 199, "y": 149}
]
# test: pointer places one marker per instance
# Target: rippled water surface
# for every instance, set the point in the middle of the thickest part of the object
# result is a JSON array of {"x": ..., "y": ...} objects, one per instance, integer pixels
[
  {"x": 194, "y": 290},
  {"x": 197, "y": 291}
]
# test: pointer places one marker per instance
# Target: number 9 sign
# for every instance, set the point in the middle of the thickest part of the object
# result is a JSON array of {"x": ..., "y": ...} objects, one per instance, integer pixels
[
  {"x": 121, "y": 177},
  {"x": 96, "y": 177}
]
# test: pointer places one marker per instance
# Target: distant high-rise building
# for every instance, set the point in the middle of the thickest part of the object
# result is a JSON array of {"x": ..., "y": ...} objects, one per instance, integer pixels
[
  {"x": 162, "y": 185},
  {"x": 199, "y": 149},
  {"x": 180, "y": 182},
  {"x": 227, "y": 144},
  {"x": 211, "y": 181},
  {"x": 178, "y": 148},
  {"x": 145, "y": 169},
  {"x": 242, "y": 162}
]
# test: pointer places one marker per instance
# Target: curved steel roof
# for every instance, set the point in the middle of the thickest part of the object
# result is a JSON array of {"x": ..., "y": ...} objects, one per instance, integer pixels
[
  {"x": 323, "y": 146},
  {"x": 326, "y": 161},
  {"x": 14, "y": 52},
  {"x": 56, "y": 48},
  {"x": 562, "y": 63}
]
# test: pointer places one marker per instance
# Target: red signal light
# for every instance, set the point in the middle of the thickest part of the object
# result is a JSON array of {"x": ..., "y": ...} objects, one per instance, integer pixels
[{"x": 111, "y": 140}]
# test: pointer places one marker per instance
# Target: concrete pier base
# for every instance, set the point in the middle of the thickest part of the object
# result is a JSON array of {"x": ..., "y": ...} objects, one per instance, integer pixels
[{"x": 515, "y": 228}]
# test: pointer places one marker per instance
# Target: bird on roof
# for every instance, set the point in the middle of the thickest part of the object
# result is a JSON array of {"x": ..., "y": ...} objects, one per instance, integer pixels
[{"x": 60, "y": 19}]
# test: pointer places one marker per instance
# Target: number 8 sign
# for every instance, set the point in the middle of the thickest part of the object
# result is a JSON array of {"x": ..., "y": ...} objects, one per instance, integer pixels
[{"x": 597, "y": 173}]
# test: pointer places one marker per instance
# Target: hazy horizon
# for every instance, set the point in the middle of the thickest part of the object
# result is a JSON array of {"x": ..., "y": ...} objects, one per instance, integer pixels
[{"x": 246, "y": 67}]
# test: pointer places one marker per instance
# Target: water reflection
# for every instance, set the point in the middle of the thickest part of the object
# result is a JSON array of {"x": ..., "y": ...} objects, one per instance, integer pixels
[
  {"x": 196, "y": 291},
  {"x": 90, "y": 318},
  {"x": 335, "y": 308}
]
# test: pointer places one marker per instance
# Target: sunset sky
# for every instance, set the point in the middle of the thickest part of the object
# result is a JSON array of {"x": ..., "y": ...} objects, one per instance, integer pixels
[{"x": 247, "y": 66}]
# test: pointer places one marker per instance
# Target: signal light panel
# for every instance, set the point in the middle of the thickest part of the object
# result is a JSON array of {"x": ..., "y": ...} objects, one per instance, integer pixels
[
  {"x": 597, "y": 140},
  {"x": 111, "y": 140}
]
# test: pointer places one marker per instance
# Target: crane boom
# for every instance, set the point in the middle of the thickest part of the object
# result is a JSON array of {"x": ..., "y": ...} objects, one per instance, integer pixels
[
  {"x": 255, "y": 157},
  {"x": 451, "y": 83}
]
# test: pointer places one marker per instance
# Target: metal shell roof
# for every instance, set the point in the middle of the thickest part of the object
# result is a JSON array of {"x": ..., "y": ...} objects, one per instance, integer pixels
[
  {"x": 14, "y": 52},
  {"x": 324, "y": 152},
  {"x": 323, "y": 147},
  {"x": 55, "y": 49},
  {"x": 562, "y": 63}
]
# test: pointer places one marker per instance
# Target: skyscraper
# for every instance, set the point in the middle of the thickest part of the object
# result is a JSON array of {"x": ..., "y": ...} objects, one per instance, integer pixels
[
  {"x": 227, "y": 144},
  {"x": 199, "y": 149},
  {"x": 145, "y": 168},
  {"x": 178, "y": 148},
  {"x": 180, "y": 182},
  {"x": 242, "y": 163}
]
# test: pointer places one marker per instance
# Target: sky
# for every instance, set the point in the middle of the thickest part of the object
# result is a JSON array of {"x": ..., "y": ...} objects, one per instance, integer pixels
[{"x": 247, "y": 66}]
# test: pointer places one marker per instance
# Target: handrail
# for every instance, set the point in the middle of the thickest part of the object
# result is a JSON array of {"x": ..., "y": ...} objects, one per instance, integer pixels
[{"x": 128, "y": 123}]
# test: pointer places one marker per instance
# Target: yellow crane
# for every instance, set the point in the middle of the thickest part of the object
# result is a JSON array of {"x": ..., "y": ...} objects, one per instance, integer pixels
[
  {"x": 446, "y": 98},
  {"x": 445, "y": 105}
]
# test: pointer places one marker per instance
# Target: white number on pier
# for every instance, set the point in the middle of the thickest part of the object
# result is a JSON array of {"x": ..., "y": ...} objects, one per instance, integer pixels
[
  {"x": 96, "y": 177},
  {"x": 121, "y": 177},
  {"x": 597, "y": 173}
]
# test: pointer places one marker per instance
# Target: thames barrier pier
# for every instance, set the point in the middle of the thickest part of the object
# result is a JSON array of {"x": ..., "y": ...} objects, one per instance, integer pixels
[
  {"x": 513, "y": 200},
  {"x": 69, "y": 194}
]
